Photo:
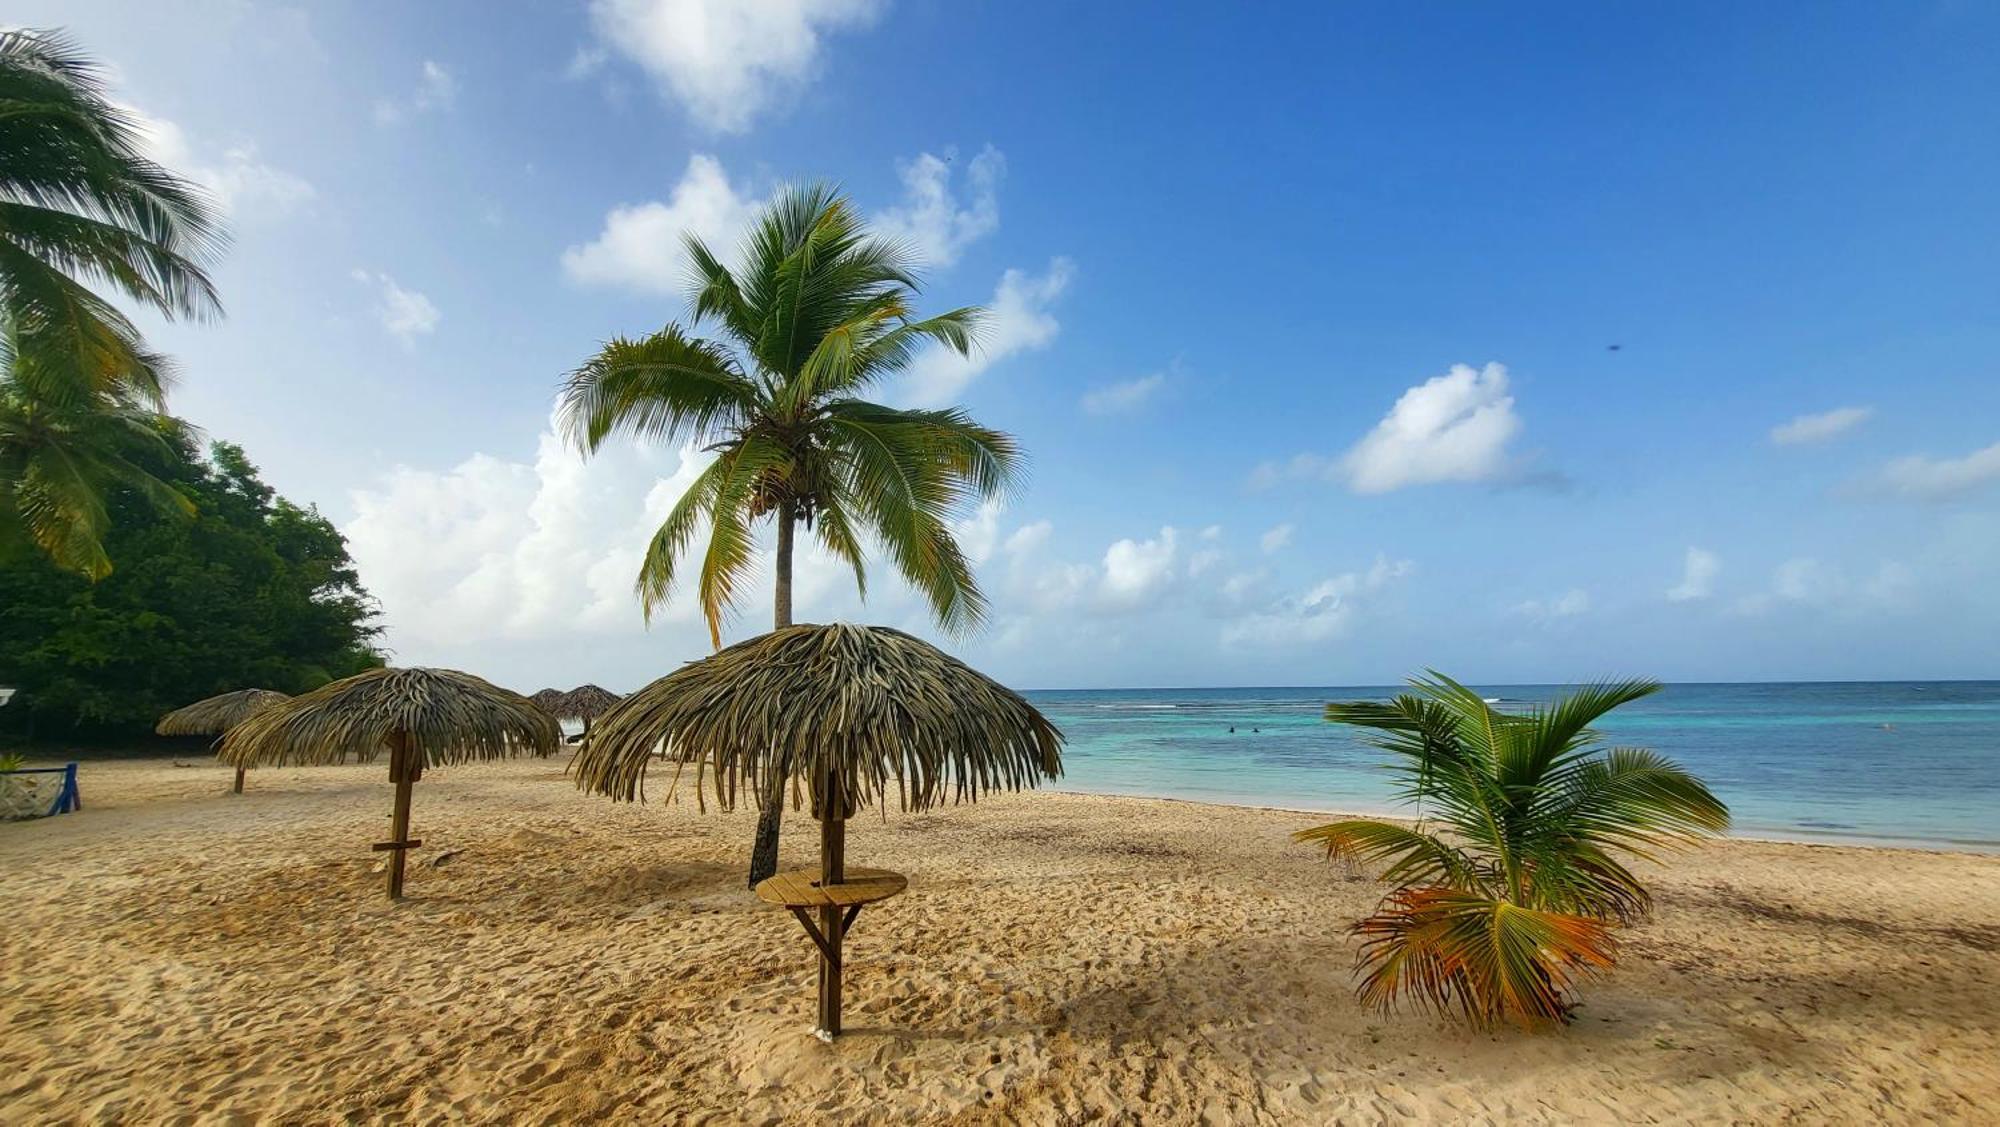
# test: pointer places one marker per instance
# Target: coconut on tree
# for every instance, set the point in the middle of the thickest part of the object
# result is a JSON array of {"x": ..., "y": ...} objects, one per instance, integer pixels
[{"x": 817, "y": 315}]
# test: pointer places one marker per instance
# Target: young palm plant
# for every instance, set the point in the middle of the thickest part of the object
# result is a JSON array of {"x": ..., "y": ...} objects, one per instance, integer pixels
[
  {"x": 1509, "y": 884},
  {"x": 818, "y": 313}
]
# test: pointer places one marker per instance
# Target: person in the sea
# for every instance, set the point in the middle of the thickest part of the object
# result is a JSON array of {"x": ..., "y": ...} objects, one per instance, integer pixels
[{"x": 1232, "y": 729}]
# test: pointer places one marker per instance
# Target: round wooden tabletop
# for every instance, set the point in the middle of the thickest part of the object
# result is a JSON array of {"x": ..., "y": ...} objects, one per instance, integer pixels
[{"x": 800, "y": 888}]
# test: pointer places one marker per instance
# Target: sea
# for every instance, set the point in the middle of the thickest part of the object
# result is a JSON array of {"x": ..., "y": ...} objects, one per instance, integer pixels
[{"x": 1899, "y": 762}]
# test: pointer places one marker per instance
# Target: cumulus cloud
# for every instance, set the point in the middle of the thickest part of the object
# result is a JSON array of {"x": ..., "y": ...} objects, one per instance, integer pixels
[
  {"x": 1118, "y": 398},
  {"x": 1454, "y": 427},
  {"x": 1320, "y": 613},
  {"x": 1920, "y": 477},
  {"x": 406, "y": 314},
  {"x": 1569, "y": 604},
  {"x": 245, "y": 186},
  {"x": 931, "y": 219},
  {"x": 1137, "y": 571},
  {"x": 1809, "y": 582},
  {"x": 641, "y": 248},
  {"x": 1277, "y": 539},
  {"x": 1698, "y": 572},
  {"x": 727, "y": 61},
  {"x": 494, "y": 548},
  {"x": 1820, "y": 427},
  {"x": 437, "y": 89},
  {"x": 1018, "y": 320}
]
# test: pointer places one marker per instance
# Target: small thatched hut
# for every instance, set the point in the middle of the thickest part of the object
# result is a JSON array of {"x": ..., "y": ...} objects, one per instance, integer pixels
[
  {"x": 850, "y": 714},
  {"x": 217, "y": 715},
  {"x": 423, "y": 717}
]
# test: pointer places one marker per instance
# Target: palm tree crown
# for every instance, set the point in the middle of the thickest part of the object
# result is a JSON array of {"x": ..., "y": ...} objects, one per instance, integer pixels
[
  {"x": 1494, "y": 915},
  {"x": 80, "y": 393},
  {"x": 818, "y": 313}
]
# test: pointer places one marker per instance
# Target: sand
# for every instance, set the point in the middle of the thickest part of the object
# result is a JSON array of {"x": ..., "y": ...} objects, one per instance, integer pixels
[{"x": 173, "y": 954}]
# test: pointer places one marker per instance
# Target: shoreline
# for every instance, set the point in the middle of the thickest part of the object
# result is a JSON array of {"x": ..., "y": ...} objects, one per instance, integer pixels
[{"x": 1760, "y": 835}]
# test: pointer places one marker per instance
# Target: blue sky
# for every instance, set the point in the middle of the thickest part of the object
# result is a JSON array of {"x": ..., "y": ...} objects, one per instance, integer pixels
[{"x": 1304, "y": 317}]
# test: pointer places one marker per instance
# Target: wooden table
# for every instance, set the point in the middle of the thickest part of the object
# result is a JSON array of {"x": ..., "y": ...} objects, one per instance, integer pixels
[{"x": 802, "y": 891}]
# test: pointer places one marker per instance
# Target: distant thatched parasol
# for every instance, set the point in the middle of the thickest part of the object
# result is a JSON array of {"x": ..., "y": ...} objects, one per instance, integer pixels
[
  {"x": 217, "y": 715},
  {"x": 585, "y": 703},
  {"x": 424, "y": 717},
  {"x": 546, "y": 700},
  {"x": 854, "y": 713}
]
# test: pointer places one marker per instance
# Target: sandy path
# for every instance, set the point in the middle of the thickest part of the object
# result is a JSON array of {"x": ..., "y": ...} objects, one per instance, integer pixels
[{"x": 173, "y": 954}]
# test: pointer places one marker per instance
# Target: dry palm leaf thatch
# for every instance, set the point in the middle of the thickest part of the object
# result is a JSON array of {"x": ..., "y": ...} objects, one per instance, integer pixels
[
  {"x": 219, "y": 713},
  {"x": 850, "y": 712},
  {"x": 444, "y": 715},
  {"x": 585, "y": 703},
  {"x": 424, "y": 717},
  {"x": 546, "y": 700},
  {"x": 878, "y": 709}
]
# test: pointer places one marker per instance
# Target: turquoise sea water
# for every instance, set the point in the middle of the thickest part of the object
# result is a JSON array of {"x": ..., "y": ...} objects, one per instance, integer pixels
[{"x": 1906, "y": 762}]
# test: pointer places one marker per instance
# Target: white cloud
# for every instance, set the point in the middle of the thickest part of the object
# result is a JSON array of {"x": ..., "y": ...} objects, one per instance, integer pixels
[
  {"x": 1320, "y": 613},
  {"x": 1924, "y": 478},
  {"x": 1808, "y": 582},
  {"x": 241, "y": 183},
  {"x": 727, "y": 61},
  {"x": 1569, "y": 604},
  {"x": 1028, "y": 538},
  {"x": 931, "y": 221},
  {"x": 1018, "y": 320},
  {"x": 1119, "y": 397},
  {"x": 493, "y": 548},
  {"x": 1698, "y": 573},
  {"x": 1276, "y": 540},
  {"x": 1136, "y": 572},
  {"x": 437, "y": 89},
  {"x": 640, "y": 247},
  {"x": 1454, "y": 427},
  {"x": 1820, "y": 427},
  {"x": 406, "y": 314}
]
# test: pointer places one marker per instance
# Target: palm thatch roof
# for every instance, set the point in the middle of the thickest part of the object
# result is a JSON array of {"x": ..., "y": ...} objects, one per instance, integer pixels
[
  {"x": 443, "y": 715},
  {"x": 585, "y": 702},
  {"x": 546, "y": 700},
  {"x": 219, "y": 713},
  {"x": 889, "y": 711}
]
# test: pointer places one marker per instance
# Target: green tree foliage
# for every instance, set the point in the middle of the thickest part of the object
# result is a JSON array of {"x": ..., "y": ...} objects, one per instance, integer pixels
[
  {"x": 1507, "y": 888},
  {"x": 818, "y": 315},
  {"x": 250, "y": 591},
  {"x": 82, "y": 208}
]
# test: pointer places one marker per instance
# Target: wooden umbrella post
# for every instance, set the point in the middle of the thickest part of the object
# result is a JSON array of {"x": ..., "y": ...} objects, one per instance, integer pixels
[
  {"x": 832, "y": 871},
  {"x": 239, "y": 782},
  {"x": 404, "y": 771}
]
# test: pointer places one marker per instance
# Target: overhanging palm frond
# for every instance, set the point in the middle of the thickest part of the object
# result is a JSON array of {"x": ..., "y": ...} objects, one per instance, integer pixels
[{"x": 663, "y": 387}]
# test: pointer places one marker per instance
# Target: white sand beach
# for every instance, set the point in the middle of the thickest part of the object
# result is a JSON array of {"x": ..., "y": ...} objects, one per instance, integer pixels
[{"x": 177, "y": 955}]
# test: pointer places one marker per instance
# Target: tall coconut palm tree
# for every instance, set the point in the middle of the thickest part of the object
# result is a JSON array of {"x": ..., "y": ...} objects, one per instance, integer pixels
[
  {"x": 1495, "y": 917},
  {"x": 819, "y": 312},
  {"x": 81, "y": 204}
]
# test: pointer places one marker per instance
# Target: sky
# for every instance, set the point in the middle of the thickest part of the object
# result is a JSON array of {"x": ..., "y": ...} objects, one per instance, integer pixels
[{"x": 1344, "y": 340}]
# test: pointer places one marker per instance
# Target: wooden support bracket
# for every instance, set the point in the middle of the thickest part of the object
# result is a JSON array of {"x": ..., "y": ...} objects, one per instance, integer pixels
[
  {"x": 819, "y": 939},
  {"x": 386, "y": 846}
]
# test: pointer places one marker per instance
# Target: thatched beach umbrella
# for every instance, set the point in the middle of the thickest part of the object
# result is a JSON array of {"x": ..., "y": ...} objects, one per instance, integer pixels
[
  {"x": 217, "y": 715},
  {"x": 585, "y": 703},
  {"x": 546, "y": 700},
  {"x": 424, "y": 717},
  {"x": 852, "y": 714}
]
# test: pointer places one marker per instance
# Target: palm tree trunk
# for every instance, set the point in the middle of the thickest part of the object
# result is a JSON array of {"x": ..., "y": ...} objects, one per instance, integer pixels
[{"x": 764, "y": 854}]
